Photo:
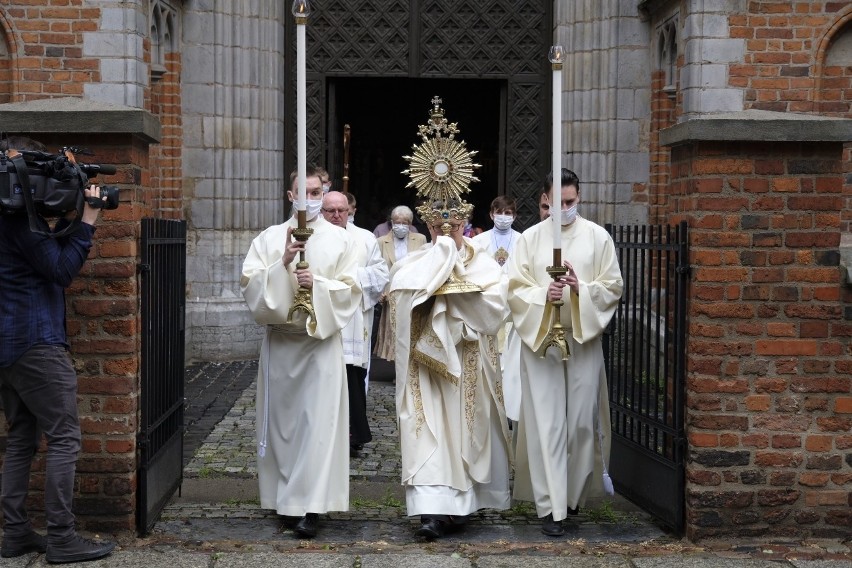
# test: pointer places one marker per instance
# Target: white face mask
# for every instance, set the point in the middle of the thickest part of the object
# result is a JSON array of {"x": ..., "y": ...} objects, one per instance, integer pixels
[
  {"x": 400, "y": 231},
  {"x": 503, "y": 222},
  {"x": 569, "y": 215},
  {"x": 350, "y": 219},
  {"x": 326, "y": 187},
  {"x": 313, "y": 208}
]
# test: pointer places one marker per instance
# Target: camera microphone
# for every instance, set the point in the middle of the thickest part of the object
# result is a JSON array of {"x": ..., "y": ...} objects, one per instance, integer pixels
[
  {"x": 107, "y": 170},
  {"x": 92, "y": 170}
]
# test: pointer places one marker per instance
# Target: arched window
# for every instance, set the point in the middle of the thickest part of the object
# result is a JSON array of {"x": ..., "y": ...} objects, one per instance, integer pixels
[
  {"x": 836, "y": 86},
  {"x": 164, "y": 25},
  {"x": 6, "y": 82},
  {"x": 667, "y": 53}
]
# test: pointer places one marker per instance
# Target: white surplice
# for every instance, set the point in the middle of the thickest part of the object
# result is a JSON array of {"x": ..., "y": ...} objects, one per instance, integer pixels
[
  {"x": 373, "y": 277},
  {"x": 508, "y": 340},
  {"x": 453, "y": 430},
  {"x": 564, "y": 426},
  {"x": 302, "y": 397}
]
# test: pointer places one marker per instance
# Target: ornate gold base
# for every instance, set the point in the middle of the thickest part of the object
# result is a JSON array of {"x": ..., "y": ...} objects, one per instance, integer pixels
[
  {"x": 556, "y": 336},
  {"x": 301, "y": 303},
  {"x": 302, "y": 299}
]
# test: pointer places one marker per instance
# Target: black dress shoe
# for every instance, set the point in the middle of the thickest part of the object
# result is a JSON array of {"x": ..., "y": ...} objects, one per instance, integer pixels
[
  {"x": 307, "y": 525},
  {"x": 574, "y": 511},
  {"x": 431, "y": 528},
  {"x": 551, "y": 527}
]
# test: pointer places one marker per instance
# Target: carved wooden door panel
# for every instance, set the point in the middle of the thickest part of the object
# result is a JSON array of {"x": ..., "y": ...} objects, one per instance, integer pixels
[{"x": 476, "y": 39}]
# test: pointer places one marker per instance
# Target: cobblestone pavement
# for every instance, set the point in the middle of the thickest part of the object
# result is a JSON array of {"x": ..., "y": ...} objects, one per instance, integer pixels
[
  {"x": 218, "y": 513},
  {"x": 229, "y": 449}
]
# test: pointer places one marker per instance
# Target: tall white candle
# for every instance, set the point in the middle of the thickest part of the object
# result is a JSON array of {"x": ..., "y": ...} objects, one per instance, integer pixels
[
  {"x": 556, "y": 57},
  {"x": 300, "y": 10}
]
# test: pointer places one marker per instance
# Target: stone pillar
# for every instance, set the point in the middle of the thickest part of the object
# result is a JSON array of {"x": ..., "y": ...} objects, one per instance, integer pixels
[
  {"x": 102, "y": 304},
  {"x": 607, "y": 100},
  {"x": 769, "y": 379},
  {"x": 233, "y": 163}
]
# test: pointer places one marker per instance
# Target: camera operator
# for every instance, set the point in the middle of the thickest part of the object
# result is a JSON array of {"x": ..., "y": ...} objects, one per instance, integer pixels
[{"x": 38, "y": 384}]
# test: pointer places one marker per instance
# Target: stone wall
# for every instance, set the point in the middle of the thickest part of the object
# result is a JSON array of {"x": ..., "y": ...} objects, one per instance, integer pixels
[
  {"x": 606, "y": 107},
  {"x": 233, "y": 167}
]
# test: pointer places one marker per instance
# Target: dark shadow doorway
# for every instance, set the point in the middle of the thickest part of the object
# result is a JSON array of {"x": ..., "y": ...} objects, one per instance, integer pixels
[{"x": 384, "y": 115}]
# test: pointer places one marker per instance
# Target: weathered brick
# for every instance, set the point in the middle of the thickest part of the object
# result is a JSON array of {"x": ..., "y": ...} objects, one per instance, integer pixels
[
  {"x": 775, "y": 497},
  {"x": 824, "y": 461},
  {"x": 721, "y": 458},
  {"x": 778, "y": 459}
]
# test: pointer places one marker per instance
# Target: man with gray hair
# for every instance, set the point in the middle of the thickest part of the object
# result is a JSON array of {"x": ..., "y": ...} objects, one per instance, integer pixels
[{"x": 373, "y": 278}]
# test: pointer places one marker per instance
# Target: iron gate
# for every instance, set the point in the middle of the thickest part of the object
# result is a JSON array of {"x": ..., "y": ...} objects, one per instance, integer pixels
[
  {"x": 645, "y": 350},
  {"x": 160, "y": 441}
]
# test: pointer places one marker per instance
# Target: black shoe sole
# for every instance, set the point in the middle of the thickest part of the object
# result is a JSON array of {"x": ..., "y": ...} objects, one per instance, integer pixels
[
  {"x": 78, "y": 557},
  {"x": 427, "y": 533}
]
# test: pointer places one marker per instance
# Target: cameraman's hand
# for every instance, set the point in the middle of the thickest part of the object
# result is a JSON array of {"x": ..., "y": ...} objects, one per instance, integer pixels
[{"x": 90, "y": 214}]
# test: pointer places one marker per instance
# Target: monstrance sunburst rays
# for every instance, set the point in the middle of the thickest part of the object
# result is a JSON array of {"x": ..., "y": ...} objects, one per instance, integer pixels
[{"x": 441, "y": 168}]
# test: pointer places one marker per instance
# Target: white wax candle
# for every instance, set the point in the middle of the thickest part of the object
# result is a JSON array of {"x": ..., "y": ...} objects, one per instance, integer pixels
[
  {"x": 301, "y": 118},
  {"x": 556, "y": 161}
]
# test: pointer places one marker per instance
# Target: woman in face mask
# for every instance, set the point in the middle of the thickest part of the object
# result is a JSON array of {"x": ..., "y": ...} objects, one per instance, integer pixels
[{"x": 394, "y": 245}]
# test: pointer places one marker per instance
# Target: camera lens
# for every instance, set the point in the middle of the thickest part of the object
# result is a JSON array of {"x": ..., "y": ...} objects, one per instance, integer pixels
[{"x": 111, "y": 193}]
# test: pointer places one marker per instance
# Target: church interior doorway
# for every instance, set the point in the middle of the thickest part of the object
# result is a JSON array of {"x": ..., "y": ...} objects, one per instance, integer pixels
[{"x": 384, "y": 115}]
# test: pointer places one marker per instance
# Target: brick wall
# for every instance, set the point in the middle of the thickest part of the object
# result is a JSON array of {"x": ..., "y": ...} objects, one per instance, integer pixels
[
  {"x": 786, "y": 43},
  {"x": 166, "y": 158},
  {"x": 663, "y": 115},
  {"x": 769, "y": 389},
  {"x": 46, "y": 47}
]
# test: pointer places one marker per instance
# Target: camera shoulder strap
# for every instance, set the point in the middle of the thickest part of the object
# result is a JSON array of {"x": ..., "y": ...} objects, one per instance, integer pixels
[{"x": 24, "y": 178}]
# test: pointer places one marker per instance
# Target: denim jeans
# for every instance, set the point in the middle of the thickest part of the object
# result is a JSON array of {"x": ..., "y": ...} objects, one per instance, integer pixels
[{"x": 39, "y": 393}]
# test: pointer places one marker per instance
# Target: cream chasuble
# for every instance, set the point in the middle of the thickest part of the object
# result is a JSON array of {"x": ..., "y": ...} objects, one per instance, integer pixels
[
  {"x": 564, "y": 427},
  {"x": 302, "y": 398},
  {"x": 453, "y": 430}
]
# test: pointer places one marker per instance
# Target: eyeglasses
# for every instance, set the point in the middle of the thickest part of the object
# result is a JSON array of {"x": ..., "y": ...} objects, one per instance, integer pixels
[{"x": 338, "y": 211}]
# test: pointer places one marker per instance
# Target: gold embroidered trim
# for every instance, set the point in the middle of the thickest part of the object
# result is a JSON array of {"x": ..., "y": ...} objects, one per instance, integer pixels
[
  {"x": 470, "y": 365},
  {"x": 418, "y": 320}
]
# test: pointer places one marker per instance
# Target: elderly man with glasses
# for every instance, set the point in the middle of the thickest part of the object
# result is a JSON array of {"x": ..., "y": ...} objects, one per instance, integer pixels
[{"x": 373, "y": 277}]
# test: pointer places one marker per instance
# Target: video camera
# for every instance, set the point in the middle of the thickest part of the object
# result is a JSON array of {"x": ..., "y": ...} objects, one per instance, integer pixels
[{"x": 55, "y": 182}]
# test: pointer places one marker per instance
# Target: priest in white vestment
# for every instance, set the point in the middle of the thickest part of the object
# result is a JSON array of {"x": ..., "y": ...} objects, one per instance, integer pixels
[
  {"x": 453, "y": 429},
  {"x": 564, "y": 426},
  {"x": 302, "y": 402},
  {"x": 373, "y": 278}
]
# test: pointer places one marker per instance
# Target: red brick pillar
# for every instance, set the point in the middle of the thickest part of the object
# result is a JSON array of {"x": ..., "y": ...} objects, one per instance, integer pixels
[
  {"x": 103, "y": 318},
  {"x": 769, "y": 380}
]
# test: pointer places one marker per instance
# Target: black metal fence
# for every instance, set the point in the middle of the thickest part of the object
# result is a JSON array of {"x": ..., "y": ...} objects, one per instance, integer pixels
[
  {"x": 645, "y": 349},
  {"x": 163, "y": 277}
]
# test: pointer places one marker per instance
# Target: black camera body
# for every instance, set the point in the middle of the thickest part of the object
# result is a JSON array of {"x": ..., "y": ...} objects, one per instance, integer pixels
[{"x": 56, "y": 183}]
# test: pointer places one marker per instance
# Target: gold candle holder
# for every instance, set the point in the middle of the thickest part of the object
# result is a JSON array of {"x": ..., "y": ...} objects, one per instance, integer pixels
[
  {"x": 302, "y": 299},
  {"x": 556, "y": 335}
]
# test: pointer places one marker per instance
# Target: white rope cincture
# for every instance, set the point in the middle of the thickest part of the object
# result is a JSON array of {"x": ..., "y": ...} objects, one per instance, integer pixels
[
  {"x": 607, "y": 481},
  {"x": 261, "y": 443}
]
